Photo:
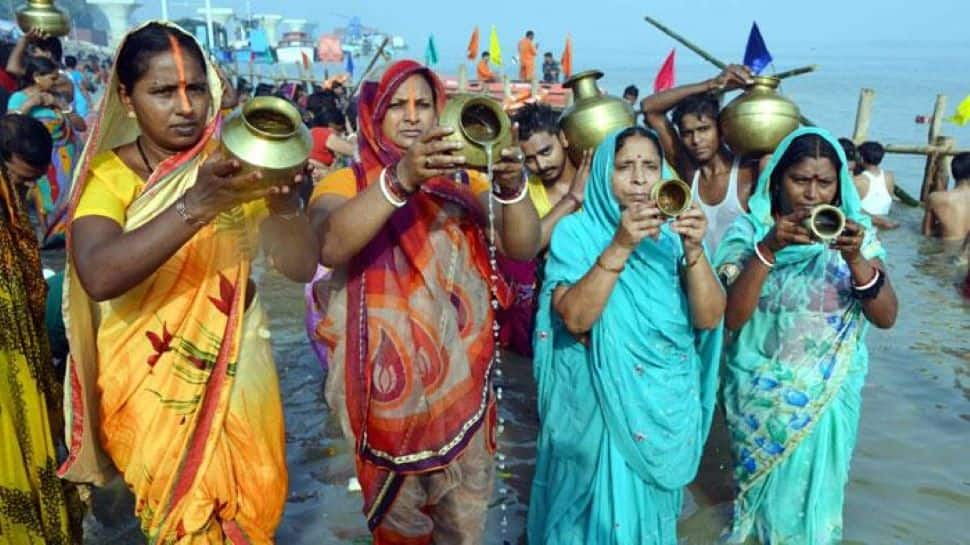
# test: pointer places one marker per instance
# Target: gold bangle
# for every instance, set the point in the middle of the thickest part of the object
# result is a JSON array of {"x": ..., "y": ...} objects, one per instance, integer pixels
[
  {"x": 688, "y": 266},
  {"x": 599, "y": 263}
]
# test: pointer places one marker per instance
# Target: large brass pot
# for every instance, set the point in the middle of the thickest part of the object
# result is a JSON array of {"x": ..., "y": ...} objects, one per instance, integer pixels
[
  {"x": 758, "y": 120},
  {"x": 268, "y": 134},
  {"x": 480, "y": 124},
  {"x": 593, "y": 116},
  {"x": 826, "y": 223},
  {"x": 44, "y": 16},
  {"x": 672, "y": 196}
]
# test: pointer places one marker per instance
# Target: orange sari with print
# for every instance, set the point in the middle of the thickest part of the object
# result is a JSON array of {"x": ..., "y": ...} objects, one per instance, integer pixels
[
  {"x": 411, "y": 327},
  {"x": 173, "y": 382}
]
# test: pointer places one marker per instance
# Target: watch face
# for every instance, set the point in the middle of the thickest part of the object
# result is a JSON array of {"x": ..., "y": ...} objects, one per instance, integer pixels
[{"x": 728, "y": 273}]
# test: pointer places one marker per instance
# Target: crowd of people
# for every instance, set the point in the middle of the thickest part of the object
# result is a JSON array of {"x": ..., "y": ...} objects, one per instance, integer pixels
[{"x": 421, "y": 271}]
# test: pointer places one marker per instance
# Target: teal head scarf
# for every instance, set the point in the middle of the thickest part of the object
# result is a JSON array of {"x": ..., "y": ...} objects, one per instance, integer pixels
[{"x": 634, "y": 403}]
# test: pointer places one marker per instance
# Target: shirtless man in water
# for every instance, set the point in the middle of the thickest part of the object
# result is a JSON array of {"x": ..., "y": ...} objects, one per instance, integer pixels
[
  {"x": 719, "y": 181},
  {"x": 948, "y": 212}
]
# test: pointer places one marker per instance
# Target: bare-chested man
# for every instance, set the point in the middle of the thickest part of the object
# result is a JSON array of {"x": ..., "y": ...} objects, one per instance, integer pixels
[
  {"x": 948, "y": 212},
  {"x": 720, "y": 184}
]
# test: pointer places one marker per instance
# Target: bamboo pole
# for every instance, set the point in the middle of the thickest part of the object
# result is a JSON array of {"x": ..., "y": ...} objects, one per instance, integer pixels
[
  {"x": 462, "y": 78},
  {"x": 866, "y": 96},
  {"x": 370, "y": 65},
  {"x": 933, "y": 159},
  {"x": 923, "y": 150},
  {"x": 796, "y": 71},
  {"x": 936, "y": 122},
  {"x": 687, "y": 43}
]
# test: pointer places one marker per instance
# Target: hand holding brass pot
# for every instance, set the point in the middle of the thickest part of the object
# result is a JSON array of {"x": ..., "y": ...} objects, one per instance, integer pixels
[
  {"x": 826, "y": 223},
  {"x": 480, "y": 124},
  {"x": 43, "y": 16},
  {"x": 758, "y": 120},
  {"x": 268, "y": 134},
  {"x": 672, "y": 196}
]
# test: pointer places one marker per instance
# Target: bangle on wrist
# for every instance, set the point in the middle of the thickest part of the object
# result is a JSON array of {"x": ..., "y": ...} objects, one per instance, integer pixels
[
  {"x": 760, "y": 249},
  {"x": 395, "y": 200},
  {"x": 687, "y": 266},
  {"x": 523, "y": 192},
  {"x": 599, "y": 263},
  {"x": 869, "y": 290},
  {"x": 396, "y": 186},
  {"x": 513, "y": 195},
  {"x": 182, "y": 210}
]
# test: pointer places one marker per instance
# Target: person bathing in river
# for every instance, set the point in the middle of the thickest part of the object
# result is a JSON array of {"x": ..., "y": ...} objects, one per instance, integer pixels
[
  {"x": 800, "y": 311},
  {"x": 948, "y": 212},
  {"x": 410, "y": 323},
  {"x": 875, "y": 185},
  {"x": 720, "y": 183},
  {"x": 627, "y": 345},
  {"x": 556, "y": 188},
  {"x": 171, "y": 372}
]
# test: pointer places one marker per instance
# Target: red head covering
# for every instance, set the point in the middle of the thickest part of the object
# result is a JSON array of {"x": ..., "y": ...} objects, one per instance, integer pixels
[{"x": 375, "y": 97}]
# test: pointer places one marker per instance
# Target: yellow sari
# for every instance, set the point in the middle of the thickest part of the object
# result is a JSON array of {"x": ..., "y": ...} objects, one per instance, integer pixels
[{"x": 173, "y": 383}]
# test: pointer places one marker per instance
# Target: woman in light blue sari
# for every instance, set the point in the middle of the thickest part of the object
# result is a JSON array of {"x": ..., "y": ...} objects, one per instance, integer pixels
[
  {"x": 627, "y": 343},
  {"x": 793, "y": 374}
]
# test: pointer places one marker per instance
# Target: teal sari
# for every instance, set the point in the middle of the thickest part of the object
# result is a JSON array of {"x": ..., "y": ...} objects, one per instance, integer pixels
[
  {"x": 793, "y": 376},
  {"x": 624, "y": 418}
]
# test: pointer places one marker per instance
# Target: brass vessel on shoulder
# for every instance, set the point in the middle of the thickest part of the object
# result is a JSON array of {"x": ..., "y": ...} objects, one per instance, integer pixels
[
  {"x": 755, "y": 122},
  {"x": 593, "y": 115},
  {"x": 43, "y": 16}
]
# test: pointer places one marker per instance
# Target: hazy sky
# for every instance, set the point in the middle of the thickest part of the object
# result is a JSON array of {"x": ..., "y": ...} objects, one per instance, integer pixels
[{"x": 601, "y": 27}]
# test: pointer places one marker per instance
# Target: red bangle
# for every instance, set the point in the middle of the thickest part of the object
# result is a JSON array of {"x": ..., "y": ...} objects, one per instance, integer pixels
[{"x": 394, "y": 185}]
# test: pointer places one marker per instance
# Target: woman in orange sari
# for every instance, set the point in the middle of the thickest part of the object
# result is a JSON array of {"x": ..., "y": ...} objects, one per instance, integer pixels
[
  {"x": 171, "y": 378},
  {"x": 410, "y": 323}
]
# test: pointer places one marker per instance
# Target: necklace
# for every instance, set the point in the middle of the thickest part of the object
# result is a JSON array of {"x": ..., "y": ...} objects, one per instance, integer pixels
[{"x": 144, "y": 156}]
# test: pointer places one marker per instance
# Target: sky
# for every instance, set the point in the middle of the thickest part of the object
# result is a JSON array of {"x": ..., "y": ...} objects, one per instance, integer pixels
[{"x": 608, "y": 27}]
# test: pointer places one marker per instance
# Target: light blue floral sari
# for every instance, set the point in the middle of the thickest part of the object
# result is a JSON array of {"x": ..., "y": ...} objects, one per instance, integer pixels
[
  {"x": 624, "y": 419},
  {"x": 793, "y": 376}
]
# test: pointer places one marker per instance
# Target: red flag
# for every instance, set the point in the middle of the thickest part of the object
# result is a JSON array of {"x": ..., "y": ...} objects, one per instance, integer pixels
[
  {"x": 306, "y": 60},
  {"x": 665, "y": 77},
  {"x": 566, "y": 62},
  {"x": 473, "y": 45}
]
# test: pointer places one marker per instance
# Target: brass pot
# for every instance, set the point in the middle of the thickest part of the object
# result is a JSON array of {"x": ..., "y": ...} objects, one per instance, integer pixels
[
  {"x": 758, "y": 120},
  {"x": 44, "y": 16},
  {"x": 672, "y": 197},
  {"x": 826, "y": 223},
  {"x": 268, "y": 134},
  {"x": 593, "y": 116},
  {"x": 479, "y": 123}
]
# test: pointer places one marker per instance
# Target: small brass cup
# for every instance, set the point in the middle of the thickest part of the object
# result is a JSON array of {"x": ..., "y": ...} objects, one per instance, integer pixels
[
  {"x": 672, "y": 197},
  {"x": 826, "y": 223}
]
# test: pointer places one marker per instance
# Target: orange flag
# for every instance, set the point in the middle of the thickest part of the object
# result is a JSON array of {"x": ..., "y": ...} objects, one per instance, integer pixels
[
  {"x": 473, "y": 45},
  {"x": 566, "y": 62}
]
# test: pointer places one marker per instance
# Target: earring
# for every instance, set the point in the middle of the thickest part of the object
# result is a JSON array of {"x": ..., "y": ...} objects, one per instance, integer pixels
[{"x": 131, "y": 114}]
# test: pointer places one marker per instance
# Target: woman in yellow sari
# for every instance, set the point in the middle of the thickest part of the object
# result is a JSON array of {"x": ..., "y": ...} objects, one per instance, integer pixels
[
  {"x": 34, "y": 507},
  {"x": 171, "y": 378}
]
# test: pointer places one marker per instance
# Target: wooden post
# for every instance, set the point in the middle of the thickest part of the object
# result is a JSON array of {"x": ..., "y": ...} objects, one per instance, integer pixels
[
  {"x": 535, "y": 88},
  {"x": 937, "y": 168},
  {"x": 934, "y": 159},
  {"x": 862, "y": 115},
  {"x": 462, "y": 78},
  {"x": 506, "y": 87}
]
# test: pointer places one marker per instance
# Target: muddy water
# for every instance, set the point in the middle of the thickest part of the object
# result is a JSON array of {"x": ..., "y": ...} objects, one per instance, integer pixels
[{"x": 910, "y": 479}]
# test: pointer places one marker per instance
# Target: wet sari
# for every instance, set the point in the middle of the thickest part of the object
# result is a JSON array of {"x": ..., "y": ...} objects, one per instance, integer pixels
[
  {"x": 623, "y": 418},
  {"x": 409, "y": 324},
  {"x": 793, "y": 376},
  {"x": 173, "y": 383},
  {"x": 34, "y": 505}
]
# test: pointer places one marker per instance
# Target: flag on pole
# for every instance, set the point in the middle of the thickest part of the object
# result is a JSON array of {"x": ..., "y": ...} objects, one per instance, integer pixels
[
  {"x": 665, "y": 77},
  {"x": 495, "y": 48},
  {"x": 473, "y": 45},
  {"x": 756, "y": 55},
  {"x": 566, "y": 61},
  {"x": 350, "y": 64},
  {"x": 962, "y": 116},
  {"x": 430, "y": 52}
]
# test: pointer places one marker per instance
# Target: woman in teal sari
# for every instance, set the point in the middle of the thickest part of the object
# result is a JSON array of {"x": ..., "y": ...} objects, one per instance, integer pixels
[
  {"x": 800, "y": 311},
  {"x": 627, "y": 343}
]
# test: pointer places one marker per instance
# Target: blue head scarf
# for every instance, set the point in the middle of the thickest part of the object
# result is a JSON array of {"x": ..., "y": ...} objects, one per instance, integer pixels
[{"x": 644, "y": 384}]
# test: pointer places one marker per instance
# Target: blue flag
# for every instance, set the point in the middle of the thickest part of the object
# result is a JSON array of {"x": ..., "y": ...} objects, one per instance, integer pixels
[
  {"x": 756, "y": 55},
  {"x": 350, "y": 64}
]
